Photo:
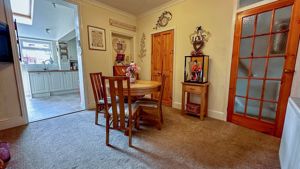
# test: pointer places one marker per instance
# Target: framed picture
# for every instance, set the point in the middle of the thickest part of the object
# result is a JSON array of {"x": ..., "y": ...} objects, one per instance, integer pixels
[{"x": 97, "y": 39}]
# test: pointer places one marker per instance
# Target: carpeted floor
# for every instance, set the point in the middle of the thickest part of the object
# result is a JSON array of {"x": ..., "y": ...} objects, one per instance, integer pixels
[{"x": 74, "y": 142}]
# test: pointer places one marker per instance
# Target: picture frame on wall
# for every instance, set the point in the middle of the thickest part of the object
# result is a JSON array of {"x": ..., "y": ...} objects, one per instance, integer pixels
[{"x": 97, "y": 38}]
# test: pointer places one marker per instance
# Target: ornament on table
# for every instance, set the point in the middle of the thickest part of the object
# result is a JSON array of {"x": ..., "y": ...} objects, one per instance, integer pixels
[{"x": 132, "y": 71}]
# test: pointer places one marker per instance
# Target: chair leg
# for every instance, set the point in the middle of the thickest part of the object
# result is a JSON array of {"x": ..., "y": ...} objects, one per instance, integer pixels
[
  {"x": 96, "y": 115},
  {"x": 130, "y": 134},
  {"x": 107, "y": 130},
  {"x": 161, "y": 116},
  {"x": 137, "y": 120}
]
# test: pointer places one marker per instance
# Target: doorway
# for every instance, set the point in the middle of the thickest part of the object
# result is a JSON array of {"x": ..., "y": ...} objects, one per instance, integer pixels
[
  {"x": 162, "y": 62},
  {"x": 262, "y": 67},
  {"x": 50, "y": 58}
]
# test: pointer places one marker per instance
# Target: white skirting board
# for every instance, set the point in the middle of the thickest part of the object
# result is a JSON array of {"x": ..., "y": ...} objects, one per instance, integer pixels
[{"x": 211, "y": 113}]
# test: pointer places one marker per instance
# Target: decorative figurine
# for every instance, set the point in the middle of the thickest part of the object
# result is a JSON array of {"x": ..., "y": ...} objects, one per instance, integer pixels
[
  {"x": 196, "y": 69},
  {"x": 198, "y": 39}
]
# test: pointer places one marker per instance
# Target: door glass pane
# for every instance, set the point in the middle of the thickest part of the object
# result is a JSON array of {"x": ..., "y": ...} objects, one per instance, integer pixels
[
  {"x": 239, "y": 105},
  {"x": 275, "y": 67},
  {"x": 255, "y": 89},
  {"x": 282, "y": 19},
  {"x": 243, "y": 68},
  {"x": 263, "y": 23},
  {"x": 272, "y": 89},
  {"x": 261, "y": 46},
  {"x": 241, "y": 87},
  {"x": 246, "y": 47},
  {"x": 248, "y": 26},
  {"x": 258, "y": 67},
  {"x": 269, "y": 111},
  {"x": 253, "y": 108},
  {"x": 278, "y": 43}
]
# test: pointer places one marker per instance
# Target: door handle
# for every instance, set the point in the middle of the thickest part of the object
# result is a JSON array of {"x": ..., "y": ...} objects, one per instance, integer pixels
[{"x": 289, "y": 71}]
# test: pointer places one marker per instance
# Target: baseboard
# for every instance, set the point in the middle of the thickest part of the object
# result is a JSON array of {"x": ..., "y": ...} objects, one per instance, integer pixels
[
  {"x": 211, "y": 113},
  {"x": 12, "y": 122}
]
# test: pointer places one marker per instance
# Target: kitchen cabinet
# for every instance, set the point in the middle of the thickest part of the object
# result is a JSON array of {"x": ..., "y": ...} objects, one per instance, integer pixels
[
  {"x": 39, "y": 83},
  {"x": 47, "y": 83},
  {"x": 56, "y": 81}
]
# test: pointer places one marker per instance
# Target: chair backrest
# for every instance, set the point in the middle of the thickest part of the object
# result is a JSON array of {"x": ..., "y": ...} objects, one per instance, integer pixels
[
  {"x": 116, "y": 86},
  {"x": 97, "y": 86},
  {"x": 162, "y": 88}
]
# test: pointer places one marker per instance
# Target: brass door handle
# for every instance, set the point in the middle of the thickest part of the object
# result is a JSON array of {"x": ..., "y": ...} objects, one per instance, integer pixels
[{"x": 289, "y": 71}]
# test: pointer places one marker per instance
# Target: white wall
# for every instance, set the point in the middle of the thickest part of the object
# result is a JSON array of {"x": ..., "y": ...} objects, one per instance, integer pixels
[
  {"x": 94, "y": 14},
  {"x": 212, "y": 15},
  {"x": 296, "y": 81}
]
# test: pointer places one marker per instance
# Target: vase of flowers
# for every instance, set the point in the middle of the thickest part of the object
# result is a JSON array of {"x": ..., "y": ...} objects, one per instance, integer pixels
[{"x": 131, "y": 72}]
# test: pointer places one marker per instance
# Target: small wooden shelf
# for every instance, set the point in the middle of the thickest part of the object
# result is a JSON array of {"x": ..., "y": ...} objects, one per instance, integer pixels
[{"x": 199, "y": 89}]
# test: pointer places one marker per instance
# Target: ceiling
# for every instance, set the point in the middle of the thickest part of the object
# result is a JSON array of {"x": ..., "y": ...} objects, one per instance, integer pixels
[
  {"x": 59, "y": 19},
  {"x": 135, "y": 7}
]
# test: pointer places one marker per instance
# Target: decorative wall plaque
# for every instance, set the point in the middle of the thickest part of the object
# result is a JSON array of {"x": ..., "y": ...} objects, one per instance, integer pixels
[
  {"x": 142, "y": 47},
  {"x": 163, "y": 20},
  {"x": 122, "y": 25}
]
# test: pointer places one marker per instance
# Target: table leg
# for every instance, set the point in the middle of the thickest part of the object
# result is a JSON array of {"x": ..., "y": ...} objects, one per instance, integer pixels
[
  {"x": 206, "y": 102},
  {"x": 183, "y": 102},
  {"x": 202, "y": 106}
]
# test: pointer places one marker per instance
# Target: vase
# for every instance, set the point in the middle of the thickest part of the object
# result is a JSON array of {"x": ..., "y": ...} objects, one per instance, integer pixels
[{"x": 132, "y": 79}]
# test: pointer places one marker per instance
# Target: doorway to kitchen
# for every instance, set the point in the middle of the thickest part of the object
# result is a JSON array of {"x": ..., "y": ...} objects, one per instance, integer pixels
[{"x": 50, "y": 53}]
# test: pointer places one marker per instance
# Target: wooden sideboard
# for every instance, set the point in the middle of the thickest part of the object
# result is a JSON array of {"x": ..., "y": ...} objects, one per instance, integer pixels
[
  {"x": 199, "y": 89},
  {"x": 119, "y": 70}
]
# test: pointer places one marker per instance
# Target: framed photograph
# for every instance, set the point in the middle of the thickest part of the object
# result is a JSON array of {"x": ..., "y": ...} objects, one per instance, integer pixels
[{"x": 97, "y": 39}]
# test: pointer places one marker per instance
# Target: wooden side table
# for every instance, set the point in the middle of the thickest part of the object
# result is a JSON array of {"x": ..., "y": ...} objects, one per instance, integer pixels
[{"x": 199, "y": 89}]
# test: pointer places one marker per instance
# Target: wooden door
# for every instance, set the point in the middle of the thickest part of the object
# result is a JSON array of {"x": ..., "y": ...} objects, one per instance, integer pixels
[
  {"x": 264, "y": 56},
  {"x": 162, "y": 62}
]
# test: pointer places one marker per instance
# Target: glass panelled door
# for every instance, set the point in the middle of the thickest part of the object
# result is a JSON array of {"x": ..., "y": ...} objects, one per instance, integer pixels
[{"x": 260, "y": 53}]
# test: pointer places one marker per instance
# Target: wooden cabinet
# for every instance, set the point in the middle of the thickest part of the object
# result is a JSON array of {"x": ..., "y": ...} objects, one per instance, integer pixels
[
  {"x": 39, "y": 83},
  {"x": 47, "y": 83},
  {"x": 119, "y": 70},
  {"x": 199, "y": 89}
]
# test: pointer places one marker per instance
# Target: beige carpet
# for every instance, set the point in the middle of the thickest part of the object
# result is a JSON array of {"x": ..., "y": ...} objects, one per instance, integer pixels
[{"x": 74, "y": 142}]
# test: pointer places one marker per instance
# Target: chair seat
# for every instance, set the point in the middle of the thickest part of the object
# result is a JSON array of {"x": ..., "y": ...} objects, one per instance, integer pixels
[
  {"x": 147, "y": 103},
  {"x": 134, "y": 108},
  {"x": 101, "y": 101}
]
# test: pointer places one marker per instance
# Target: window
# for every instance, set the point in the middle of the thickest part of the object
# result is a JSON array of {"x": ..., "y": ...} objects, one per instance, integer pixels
[
  {"x": 22, "y": 10},
  {"x": 35, "y": 52}
]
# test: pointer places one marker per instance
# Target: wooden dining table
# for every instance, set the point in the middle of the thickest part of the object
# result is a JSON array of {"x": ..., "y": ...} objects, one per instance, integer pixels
[{"x": 142, "y": 87}]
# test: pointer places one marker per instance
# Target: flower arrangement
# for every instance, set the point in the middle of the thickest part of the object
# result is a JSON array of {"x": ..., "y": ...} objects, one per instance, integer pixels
[{"x": 132, "y": 70}]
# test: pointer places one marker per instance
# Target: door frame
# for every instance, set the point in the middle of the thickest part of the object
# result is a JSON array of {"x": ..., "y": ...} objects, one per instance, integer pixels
[
  {"x": 174, "y": 60},
  {"x": 23, "y": 118},
  {"x": 292, "y": 43},
  {"x": 81, "y": 71}
]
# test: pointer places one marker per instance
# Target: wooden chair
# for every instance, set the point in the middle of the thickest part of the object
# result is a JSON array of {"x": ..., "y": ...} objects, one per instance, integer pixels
[
  {"x": 120, "y": 112},
  {"x": 152, "y": 107},
  {"x": 98, "y": 93}
]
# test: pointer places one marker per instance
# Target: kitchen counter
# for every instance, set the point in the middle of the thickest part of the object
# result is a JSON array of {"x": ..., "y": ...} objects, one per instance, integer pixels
[{"x": 39, "y": 71}]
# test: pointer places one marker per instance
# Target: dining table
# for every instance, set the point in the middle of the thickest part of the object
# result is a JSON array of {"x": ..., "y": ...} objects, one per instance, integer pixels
[{"x": 142, "y": 88}]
